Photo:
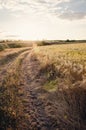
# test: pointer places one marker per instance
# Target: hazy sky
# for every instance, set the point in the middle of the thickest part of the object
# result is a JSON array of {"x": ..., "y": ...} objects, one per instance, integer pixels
[{"x": 43, "y": 19}]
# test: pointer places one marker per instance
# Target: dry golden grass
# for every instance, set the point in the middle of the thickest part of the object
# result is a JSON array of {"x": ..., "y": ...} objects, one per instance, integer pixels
[
  {"x": 76, "y": 52},
  {"x": 64, "y": 67},
  {"x": 68, "y": 59}
]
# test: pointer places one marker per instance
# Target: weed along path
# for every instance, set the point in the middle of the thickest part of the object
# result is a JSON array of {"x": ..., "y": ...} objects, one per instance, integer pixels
[{"x": 34, "y": 114}]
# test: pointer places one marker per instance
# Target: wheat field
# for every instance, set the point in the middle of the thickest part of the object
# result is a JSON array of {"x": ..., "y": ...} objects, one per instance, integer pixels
[{"x": 69, "y": 59}]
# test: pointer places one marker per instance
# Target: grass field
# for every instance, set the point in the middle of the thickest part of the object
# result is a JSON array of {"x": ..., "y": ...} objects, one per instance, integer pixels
[
  {"x": 43, "y": 87},
  {"x": 68, "y": 61},
  {"x": 64, "y": 67}
]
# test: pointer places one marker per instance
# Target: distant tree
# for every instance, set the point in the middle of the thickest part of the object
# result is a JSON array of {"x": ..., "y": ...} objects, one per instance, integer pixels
[{"x": 67, "y": 40}]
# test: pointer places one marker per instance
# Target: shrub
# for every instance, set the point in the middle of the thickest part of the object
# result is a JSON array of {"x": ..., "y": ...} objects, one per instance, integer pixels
[
  {"x": 3, "y": 46},
  {"x": 14, "y": 45},
  {"x": 43, "y": 43}
]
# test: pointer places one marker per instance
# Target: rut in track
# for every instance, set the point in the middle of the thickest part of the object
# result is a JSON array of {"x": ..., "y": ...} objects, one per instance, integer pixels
[
  {"x": 9, "y": 64},
  {"x": 34, "y": 114}
]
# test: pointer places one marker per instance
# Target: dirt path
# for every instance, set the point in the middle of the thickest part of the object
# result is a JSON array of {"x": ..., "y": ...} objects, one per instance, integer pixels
[
  {"x": 33, "y": 97},
  {"x": 34, "y": 112},
  {"x": 9, "y": 63}
]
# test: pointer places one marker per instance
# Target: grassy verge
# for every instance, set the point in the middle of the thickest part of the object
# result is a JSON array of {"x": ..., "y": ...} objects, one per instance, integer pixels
[{"x": 15, "y": 44}]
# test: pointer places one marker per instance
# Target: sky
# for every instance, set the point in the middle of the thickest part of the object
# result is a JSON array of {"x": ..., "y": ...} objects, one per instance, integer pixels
[{"x": 43, "y": 19}]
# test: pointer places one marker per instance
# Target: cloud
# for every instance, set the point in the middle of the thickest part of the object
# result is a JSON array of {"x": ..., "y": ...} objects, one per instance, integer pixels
[
  {"x": 12, "y": 36},
  {"x": 73, "y": 10},
  {"x": 1, "y": 32},
  {"x": 73, "y": 16},
  {"x": 63, "y": 9}
]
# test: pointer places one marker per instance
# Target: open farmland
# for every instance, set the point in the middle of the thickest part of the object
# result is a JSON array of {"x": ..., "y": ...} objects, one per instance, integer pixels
[
  {"x": 43, "y": 87},
  {"x": 69, "y": 60}
]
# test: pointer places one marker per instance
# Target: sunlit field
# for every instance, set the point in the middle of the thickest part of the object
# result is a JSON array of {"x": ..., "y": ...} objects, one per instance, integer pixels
[
  {"x": 42, "y": 87},
  {"x": 64, "y": 67},
  {"x": 74, "y": 52},
  {"x": 69, "y": 60}
]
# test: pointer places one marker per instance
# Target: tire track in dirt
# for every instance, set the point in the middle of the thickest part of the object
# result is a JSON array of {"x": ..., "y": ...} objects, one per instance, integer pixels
[
  {"x": 11, "y": 63},
  {"x": 34, "y": 114},
  {"x": 9, "y": 58}
]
